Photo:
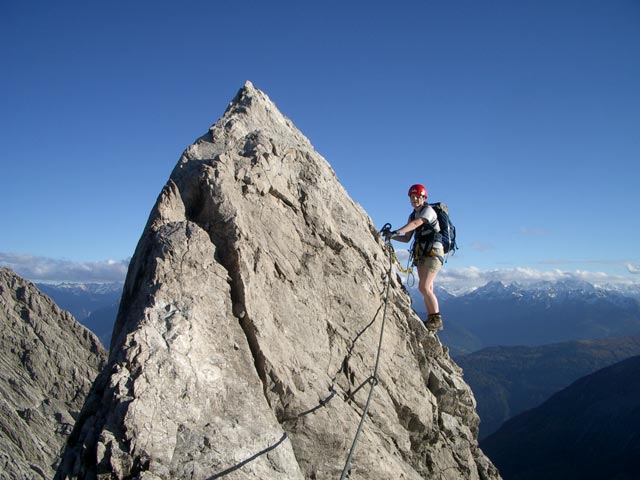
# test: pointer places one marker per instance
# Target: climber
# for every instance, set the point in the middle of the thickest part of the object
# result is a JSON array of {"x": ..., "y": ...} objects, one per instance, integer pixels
[{"x": 427, "y": 251}]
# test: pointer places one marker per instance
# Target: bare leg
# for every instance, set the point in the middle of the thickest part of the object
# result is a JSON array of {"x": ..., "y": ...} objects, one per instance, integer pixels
[{"x": 425, "y": 285}]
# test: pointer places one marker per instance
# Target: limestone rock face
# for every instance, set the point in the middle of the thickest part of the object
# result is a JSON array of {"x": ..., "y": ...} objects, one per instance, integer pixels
[
  {"x": 48, "y": 362},
  {"x": 256, "y": 291}
]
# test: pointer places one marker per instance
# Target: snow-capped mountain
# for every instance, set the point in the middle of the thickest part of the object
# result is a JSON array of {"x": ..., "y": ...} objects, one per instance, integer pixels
[
  {"x": 95, "y": 305},
  {"x": 535, "y": 314},
  {"x": 631, "y": 290},
  {"x": 554, "y": 291},
  {"x": 84, "y": 288}
]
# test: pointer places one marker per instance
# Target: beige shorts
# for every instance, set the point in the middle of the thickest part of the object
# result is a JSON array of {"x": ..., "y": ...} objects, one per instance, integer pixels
[{"x": 433, "y": 261}]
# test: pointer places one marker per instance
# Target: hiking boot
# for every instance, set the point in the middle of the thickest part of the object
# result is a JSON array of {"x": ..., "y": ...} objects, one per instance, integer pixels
[{"x": 434, "y": 322}]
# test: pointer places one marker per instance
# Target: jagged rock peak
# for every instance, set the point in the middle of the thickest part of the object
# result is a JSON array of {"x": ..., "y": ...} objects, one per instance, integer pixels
[
  {"x": 256, "y": 292},
  {"x": 248, "y": 121},
  {"x": 47, "y": 366}
]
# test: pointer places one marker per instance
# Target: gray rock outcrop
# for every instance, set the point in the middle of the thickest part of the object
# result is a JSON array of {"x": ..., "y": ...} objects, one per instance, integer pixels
[
  {"x": 256, "y": 291},
  {"x": 48, "y": 362}
]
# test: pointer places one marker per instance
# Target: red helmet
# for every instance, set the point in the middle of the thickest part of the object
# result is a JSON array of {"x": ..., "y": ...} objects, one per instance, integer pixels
[{"x": 418, "y": 189}]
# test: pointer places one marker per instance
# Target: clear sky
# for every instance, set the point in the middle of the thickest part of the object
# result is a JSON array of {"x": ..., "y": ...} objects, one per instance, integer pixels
[{"x": 523, "y": 116}]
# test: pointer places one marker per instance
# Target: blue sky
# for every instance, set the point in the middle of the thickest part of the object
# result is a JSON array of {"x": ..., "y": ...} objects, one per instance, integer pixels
[{"x": 524, "y": 117}]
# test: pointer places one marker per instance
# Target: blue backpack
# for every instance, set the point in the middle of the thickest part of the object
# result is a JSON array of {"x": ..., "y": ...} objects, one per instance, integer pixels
[
  {"x": 426, "y": 235},
  {"x": 447, "y": 229}
]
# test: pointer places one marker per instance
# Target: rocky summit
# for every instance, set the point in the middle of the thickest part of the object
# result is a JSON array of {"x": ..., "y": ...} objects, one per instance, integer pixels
[
  {"x": 48, "y": 362},
  {"x": 248, "y": 334}
]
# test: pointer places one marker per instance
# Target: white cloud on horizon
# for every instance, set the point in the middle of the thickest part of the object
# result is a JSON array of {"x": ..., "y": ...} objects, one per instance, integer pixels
[
  {"x": 461, "y": 279},
  {"x": 49, "y": 270},
  {"x": 43, "y": 269},
  {"x": 458, "y": 280}
]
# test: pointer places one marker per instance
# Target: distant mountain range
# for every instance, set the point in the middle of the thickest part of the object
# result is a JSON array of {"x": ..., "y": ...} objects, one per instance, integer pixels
[
  {"x": 509, "y": 380},
  {"x": 588, "y": 431},
  {"x": 538, "y": 314},
  {"x": 542, "y": 337},
  {"x": 94, "y": 305}
]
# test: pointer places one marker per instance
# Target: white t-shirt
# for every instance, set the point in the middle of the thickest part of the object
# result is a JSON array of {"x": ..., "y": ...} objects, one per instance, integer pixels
[{"x": 430, "y": 222}]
